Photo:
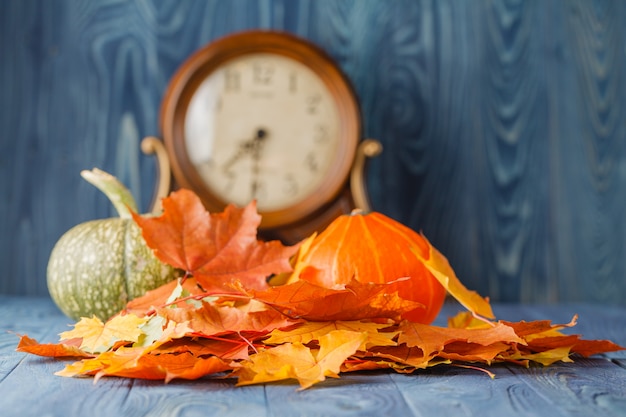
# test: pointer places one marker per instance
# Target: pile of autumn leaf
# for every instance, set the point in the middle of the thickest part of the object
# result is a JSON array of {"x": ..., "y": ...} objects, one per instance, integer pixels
[{"x": 223, "y": 319}]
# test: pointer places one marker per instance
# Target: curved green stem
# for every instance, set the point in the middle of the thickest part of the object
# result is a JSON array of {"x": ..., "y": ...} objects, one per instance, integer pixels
[{"x": 120, "y": 196}]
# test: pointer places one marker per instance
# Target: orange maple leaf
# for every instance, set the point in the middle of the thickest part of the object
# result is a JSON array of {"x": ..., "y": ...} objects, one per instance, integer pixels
[
  {"x": 432, "y": 339},
  {"x": 356, "y": 301},
  {"x": 401, "y": 357},
  {"x": 160, "y": 296},
  {"x": 542, "y": 336},
  {"x": 213, "y": 320},
  {"x": 231, "y": 347},
  {"x": 217, "y": 249},
  {"x": 473, "y": 352},
  {"x": 136, "y": 363},
  {"x": 593, "y": 347},
  {"x": 54, "y": 350}
]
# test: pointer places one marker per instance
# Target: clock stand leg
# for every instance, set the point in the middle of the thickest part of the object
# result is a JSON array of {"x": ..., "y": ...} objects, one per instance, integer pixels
[
  {"x": 152, "y": 145},
  {"x": 368, "y": 148}
]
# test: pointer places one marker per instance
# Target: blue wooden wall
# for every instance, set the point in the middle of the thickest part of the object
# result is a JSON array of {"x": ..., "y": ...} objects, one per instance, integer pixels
[{"x": 503, "y": 123}]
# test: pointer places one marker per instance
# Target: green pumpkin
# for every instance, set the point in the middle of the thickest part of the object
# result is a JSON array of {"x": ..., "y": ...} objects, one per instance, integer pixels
[{"x": 98, "y": 266}]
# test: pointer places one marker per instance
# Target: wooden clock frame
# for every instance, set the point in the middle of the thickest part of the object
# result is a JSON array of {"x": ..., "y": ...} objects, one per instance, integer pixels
[{"x": 334, "y": 196}]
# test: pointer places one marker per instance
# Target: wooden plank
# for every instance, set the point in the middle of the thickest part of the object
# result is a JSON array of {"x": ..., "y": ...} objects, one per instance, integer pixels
[
  {"x": 588, "y": 387},
  {"x": 464, "y": 392},
  {"x": 594, "y": 386},
  {"x": 202, "y": 397},
  {"x": 64, "y": 396},
  {"x": 579, "y": 389},
  {"x": 118, "y": 396},
  {"x": 37, "y": 317},
  {"x": 357, "y": 394}
]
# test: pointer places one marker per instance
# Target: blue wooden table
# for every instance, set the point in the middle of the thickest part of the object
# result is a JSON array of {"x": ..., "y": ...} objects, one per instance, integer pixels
[{"x": 587, "y": 387}]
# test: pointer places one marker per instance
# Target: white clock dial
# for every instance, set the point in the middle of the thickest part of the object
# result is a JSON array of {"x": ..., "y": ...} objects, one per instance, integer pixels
[{"x": 265, "y": 127}]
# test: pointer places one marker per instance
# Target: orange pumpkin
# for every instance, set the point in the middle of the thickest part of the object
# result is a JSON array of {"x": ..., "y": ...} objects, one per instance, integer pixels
[{"x": 373, "y": 248}]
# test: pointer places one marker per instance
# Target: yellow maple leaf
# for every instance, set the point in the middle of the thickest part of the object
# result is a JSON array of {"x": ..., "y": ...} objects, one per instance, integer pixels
[
  {"x": 82, "y": 367},
  {"x": 314, "y": 330},
  {"x": 438, "y": 265},
  {"x": 297, "y": 361},
  {"x": 545, "y": 358},
  {"x": 291, "y": 276},
  {"x": 99, "y": 337},
  {"x": 467, "y": 320}
]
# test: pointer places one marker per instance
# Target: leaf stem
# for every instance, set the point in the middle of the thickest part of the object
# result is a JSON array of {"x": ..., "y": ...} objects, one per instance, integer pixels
[
  {"x": 475, "y": 368},
  {"x": 248, "y": 342}
]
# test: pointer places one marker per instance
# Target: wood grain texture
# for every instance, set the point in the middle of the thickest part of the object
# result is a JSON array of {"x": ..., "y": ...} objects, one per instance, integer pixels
[
  {"x": 587, "y": 387},
  {"x": 559, "y": 391},
  {"x": 503, "y": 124},
  {"x": 592, "y": 142}
]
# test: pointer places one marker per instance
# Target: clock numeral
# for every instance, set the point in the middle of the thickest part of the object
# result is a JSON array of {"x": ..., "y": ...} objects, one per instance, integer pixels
[
  {"x": 291, "y": 185},
  {"x": 232, "y": 80},
  {"x": 293, "y": 82},
  {"x": 262, "y": 73},
  {"x": 312, "y": 103},
  {"x": 320, "y": 134},
  {"x": 311, "y": 162}
]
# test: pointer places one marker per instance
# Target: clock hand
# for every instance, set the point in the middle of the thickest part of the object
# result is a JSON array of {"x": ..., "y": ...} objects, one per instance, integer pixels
[
  {"x": 257, "y": 145},
  {"x": 254, "y": 188},
  {"x": 236, "y": 157},
  {"x": 252, "y": 146}
]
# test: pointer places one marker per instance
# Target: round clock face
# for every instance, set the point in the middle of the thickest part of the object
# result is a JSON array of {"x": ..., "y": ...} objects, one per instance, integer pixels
[
  {"x": 263, "y": 116},
  {"x": 262, "y": 127}
]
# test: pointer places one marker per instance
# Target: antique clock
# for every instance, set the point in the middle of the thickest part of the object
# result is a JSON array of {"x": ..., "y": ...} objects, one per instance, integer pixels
[{"x": 267, "y": 116}]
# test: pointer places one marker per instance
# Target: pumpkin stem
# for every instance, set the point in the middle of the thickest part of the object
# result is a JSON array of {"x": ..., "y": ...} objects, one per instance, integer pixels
[{"x": 120, "y": 196}]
